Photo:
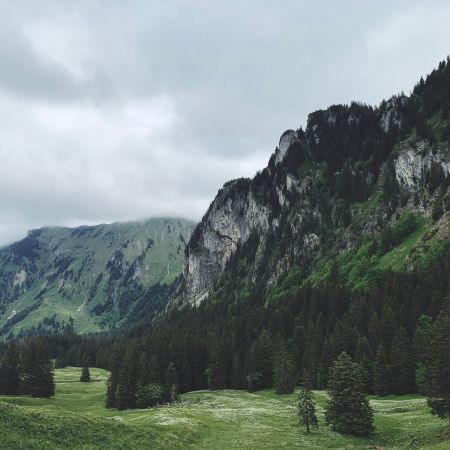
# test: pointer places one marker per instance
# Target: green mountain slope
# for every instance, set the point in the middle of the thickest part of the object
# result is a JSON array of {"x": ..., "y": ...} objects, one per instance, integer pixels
[{"x": 89, "y": 278}]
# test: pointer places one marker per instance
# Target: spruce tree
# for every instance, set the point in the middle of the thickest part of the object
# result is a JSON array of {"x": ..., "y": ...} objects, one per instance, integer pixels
[
  {"x": 9, "y": 370},
  {"x": 348, "y": 410},
  {"x": 381, "y": 377},
  {"x": 85, "y": 374},
  {"x": 172, "y": 382},
  {"x": 260, "y": 364},
  {"x": 116, "y": 363},
  {"x": 127, "y": 379},
  {"x": 37, "y": 369},
  {"x": 438, "y": 365},
  {"x": 307, "y": 409},
  {"x": 284, "y": 370},
  {"x": 401, "y": 366}
]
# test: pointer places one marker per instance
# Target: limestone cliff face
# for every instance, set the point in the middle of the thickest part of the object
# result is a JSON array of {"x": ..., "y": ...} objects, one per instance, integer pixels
[
  {"x": 230, "y": 220},
  {"x": 310, "y": 199},
  {"x": 414, "y": 164}
]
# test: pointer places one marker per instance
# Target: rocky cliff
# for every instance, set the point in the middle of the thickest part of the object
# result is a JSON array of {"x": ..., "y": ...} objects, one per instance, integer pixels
[{"x": 351, "y": 173}]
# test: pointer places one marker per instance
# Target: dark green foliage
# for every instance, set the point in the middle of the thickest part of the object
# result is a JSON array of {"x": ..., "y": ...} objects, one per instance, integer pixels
[
  {"x": 438, "y": 367},
  {"x": 127, "y": 379},
  {"x": 85, "y": 374},
  {"x": 348, "y": 410},
  {"x": 172, "y": 382},
  {"x": 217, "y": 368},
  {"x": 9, "y": 370},
  {"x": 284, "y": 372},
  {"x": 307, "y": 409},
  {"x": 421, "y": 342},
  {"x": 401, "y": 368},
  {"x": 381, "y": 375},
  {"x": 148, "y": 395},
  {"x": 113, "y": 377},
  {"x": 37, "y": 369},
  {"x": 260, "y": 366}
]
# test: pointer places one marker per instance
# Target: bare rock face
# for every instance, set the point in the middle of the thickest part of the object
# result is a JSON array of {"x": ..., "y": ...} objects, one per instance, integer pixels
[
  {"x": 230, "y": 220},
  {"x": 413, "y": 165},
  {"x": 286, "y": 140}
]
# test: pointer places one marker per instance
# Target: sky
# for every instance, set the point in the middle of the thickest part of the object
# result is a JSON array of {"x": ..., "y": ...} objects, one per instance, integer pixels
[{"x": 128, "y": 109}]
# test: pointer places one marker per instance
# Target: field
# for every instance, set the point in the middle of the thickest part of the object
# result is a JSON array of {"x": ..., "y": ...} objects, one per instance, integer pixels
[{"x": 77, "y": 419}]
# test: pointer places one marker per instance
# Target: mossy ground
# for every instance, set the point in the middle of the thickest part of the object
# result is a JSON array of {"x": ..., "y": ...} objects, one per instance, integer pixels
[{"x": 76, "y": 418}]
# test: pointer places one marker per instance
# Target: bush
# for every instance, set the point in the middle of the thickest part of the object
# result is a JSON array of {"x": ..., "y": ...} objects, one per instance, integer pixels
[{"x": 148, "y": 395}]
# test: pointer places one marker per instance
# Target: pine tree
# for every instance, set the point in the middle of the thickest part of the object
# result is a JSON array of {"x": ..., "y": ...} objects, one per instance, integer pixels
[
  {"x": 438, "y": 365},
  {"x": 381, "y": 378},
  {"x": 116, "y": 363},
  {"x": 172, "y": 382},
  {"x": 217, "y": 370},
  {"x": 284, "y": 370},
  {"x": 260, "y": 364},
  {"x": 348, "y": 410},
  {"x": 307, "y": 409},
  {"x": 127, "y": 379},
  {"x": 236, "y": 373},
  {"x": 37, "y": 369},
  {"x": 85, "y": 374},
  {"x": 9, "y": 370},
  {"x": 401, "y": 366}
]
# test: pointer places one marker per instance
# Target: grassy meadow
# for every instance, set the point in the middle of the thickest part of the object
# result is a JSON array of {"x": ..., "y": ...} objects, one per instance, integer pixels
[{"x": 76, "y": 418}]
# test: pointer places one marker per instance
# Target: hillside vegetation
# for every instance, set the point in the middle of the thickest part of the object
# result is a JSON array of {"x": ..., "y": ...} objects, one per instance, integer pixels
[
  {"x": 76, "y": 418},
  {"x": 89, "y": 278}
]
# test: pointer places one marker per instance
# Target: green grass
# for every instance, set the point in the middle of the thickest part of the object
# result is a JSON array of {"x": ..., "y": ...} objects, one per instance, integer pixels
[{"x": 76, "y": 418}]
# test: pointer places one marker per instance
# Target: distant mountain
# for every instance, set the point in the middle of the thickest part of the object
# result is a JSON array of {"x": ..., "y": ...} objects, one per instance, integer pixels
[{"x": 89, "y": 278}]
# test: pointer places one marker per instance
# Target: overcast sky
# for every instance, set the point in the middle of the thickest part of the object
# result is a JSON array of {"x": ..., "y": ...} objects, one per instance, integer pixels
[{"x": 121, "y": 110}]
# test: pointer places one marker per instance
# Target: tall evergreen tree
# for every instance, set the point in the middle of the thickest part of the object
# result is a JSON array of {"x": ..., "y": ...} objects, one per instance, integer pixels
[
  {"x": 438, "y": 384},
  {"x": 348, "y": 410},
  {"x": 116, "y": 363},
  {"x": 37, "y": 369},
  {"x": 127, "y": 379},
  {"x": 284, "y": 372},
  {"x": 217, "y": 367},
  {"x": 307, "y": 409},
  {"x": 172, "y": 382},
  {"x": 85, "y": 374},
  {"x": 402, "y": 366},
  {"x": 9, "y": 370},
  {"x": 260, "y": 366},
  {"x": 381, "y": 377}
]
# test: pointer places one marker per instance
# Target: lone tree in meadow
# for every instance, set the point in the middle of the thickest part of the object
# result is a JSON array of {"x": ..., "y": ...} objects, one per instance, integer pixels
[
  {"x": 348, "y": 410},
  {"x": 85, "y": 374},
  {"x": 307, "y": 409}
]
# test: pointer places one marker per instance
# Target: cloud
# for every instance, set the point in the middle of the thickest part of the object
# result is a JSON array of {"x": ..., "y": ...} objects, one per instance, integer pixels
[{"x": 121, "y": 110}]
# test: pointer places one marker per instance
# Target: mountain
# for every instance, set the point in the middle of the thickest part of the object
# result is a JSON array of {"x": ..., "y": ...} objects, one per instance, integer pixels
[
  {"x": 360, "y": 190},
  {"x": 89, "y": 278}
]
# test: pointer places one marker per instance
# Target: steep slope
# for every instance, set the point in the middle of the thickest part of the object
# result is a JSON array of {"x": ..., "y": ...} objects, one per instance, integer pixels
[
  {"x": 361, "y": 190},
  {"x": 91, "y": 277}
]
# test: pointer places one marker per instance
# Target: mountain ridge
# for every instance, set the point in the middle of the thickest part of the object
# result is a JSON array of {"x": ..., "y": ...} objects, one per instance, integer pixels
[
  {"x": 319, "y": 180},
  {"x": 93, "y": 276}
]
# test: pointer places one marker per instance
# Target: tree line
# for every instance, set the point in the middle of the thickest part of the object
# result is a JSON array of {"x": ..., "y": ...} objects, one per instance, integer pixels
[{"x": 26, "y": 369}]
